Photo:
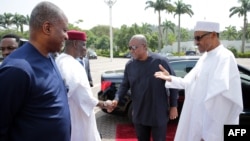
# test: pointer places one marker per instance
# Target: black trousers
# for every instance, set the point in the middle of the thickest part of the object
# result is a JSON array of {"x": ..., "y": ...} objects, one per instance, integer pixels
[{"x": 144, "y": 132}]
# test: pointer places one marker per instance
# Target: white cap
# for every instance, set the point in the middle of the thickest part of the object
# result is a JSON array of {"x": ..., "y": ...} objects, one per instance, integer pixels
[{"x": 207, "y": 26}]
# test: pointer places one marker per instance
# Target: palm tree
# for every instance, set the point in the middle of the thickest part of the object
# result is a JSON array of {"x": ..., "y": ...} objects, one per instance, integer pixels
[
  {"x": 230, "y": 33},
  {"x": 7, "y": 20},
  {"x": 160, "y": 5},
  {"x": 135, "y": 29},
  {"x": 242, "y": 11},
  {"x": 2, "y": 23},
  {"x": 146, "y": 28},
  {"x": 27, "y": 19},
  {"x": 181, "y": 8},
  {"x": 15, "y": 19},
  {"x": 23, "y": 21},
  {"x": 166, "y": 26},
  {"x": 19, "y": 21},
  {"x": 248, "y": 32},
  {"x": 184, "y": 34}
]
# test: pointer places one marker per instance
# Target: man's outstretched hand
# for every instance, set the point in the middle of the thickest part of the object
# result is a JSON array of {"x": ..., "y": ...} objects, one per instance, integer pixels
[{"x": 162, "y": 74}]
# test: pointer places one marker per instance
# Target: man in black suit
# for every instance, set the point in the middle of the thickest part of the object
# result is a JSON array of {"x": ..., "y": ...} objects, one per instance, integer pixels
[
  {"x": 84, "y": 60},
  {"x": 152, "y": 104},
  {"x": 87, "y": 66}
]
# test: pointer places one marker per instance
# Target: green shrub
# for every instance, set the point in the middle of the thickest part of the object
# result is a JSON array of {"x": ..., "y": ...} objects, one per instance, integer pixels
[
  {"x": 234, "y": 51},
  {"x": 244, "y": 55}
]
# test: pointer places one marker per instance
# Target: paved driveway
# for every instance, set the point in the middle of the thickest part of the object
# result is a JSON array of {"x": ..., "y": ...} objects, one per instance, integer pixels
[
  {"x": 107, "y": 123},
  {"x": 244, "y": 61}
]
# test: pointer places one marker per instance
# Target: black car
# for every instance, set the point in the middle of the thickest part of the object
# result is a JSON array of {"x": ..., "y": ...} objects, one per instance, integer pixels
[
  {"x": 22, "y": 41},
  {"x": 111, "y": 80},
  {"x": 91, "y": 54},
  {"x": 190, "y": 53},
  {"x": 127, "y": 55}
]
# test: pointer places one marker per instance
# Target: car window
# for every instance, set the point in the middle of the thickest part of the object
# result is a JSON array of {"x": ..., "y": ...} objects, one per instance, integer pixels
[
  {"x": 181, "y": 68},
  {"x": 244, "y": 76},
  {"x": 190, "y": 53},
  {"x": 245, "y": 84}
]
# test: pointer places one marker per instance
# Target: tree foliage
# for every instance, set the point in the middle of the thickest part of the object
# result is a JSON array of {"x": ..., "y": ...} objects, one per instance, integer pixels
[
  {"x": 181, "y": 8},
  {"x": 98, "y": 36},
  {"x": 242, "y": 12},
  {"x": 159, "y": 6}
]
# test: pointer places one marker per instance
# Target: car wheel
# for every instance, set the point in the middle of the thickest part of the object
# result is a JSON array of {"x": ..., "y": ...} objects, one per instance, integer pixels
[{"x": 130, "y": 111}]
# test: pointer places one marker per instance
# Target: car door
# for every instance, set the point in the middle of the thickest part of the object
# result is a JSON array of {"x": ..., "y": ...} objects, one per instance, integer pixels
[{"x": 181, "y": 68}]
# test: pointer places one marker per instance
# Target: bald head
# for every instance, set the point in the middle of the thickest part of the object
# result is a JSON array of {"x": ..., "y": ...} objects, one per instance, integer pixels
[
  {"x": 138, "y": 47},
  {"x": 139, "y": 38},
  {"x": 45, "y": 11},
  {"x": 48, "y": 28}
]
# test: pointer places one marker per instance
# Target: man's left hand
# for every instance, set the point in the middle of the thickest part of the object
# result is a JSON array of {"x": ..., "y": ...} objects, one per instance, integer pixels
[{"x": 173, "y": 113}]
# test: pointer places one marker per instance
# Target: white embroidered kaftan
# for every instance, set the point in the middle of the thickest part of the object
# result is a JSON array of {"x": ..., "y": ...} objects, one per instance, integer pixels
[
  {"x": 81, "y": 99},
  {"x": 213, "y": 97}
]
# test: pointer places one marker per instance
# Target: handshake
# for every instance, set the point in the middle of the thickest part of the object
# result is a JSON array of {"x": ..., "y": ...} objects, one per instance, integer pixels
[{"x": 109, "y": 105}]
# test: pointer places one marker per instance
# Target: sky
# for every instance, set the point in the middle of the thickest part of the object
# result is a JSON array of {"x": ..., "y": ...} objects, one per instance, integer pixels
[{"x": 128, "y": 12}]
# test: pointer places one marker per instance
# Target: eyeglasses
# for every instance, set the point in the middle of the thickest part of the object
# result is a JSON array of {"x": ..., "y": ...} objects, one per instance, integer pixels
[
  {"x": 132, "y": 47},
  {"x": 9, "y": 48},
  {"x": 198, "y": 38}
]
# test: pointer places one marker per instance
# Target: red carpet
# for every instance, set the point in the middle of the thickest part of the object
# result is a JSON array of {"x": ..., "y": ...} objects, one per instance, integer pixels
[{"x": 126, "y": 132}]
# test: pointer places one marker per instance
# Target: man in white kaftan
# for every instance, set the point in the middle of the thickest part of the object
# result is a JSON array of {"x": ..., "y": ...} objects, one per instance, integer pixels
[
  {"x": 80, "y": 96},
  {"x": 213, "y": 96}
]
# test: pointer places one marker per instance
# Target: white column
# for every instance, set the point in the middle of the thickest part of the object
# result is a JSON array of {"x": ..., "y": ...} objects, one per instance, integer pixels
[{"x": 110, "y": 3}]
